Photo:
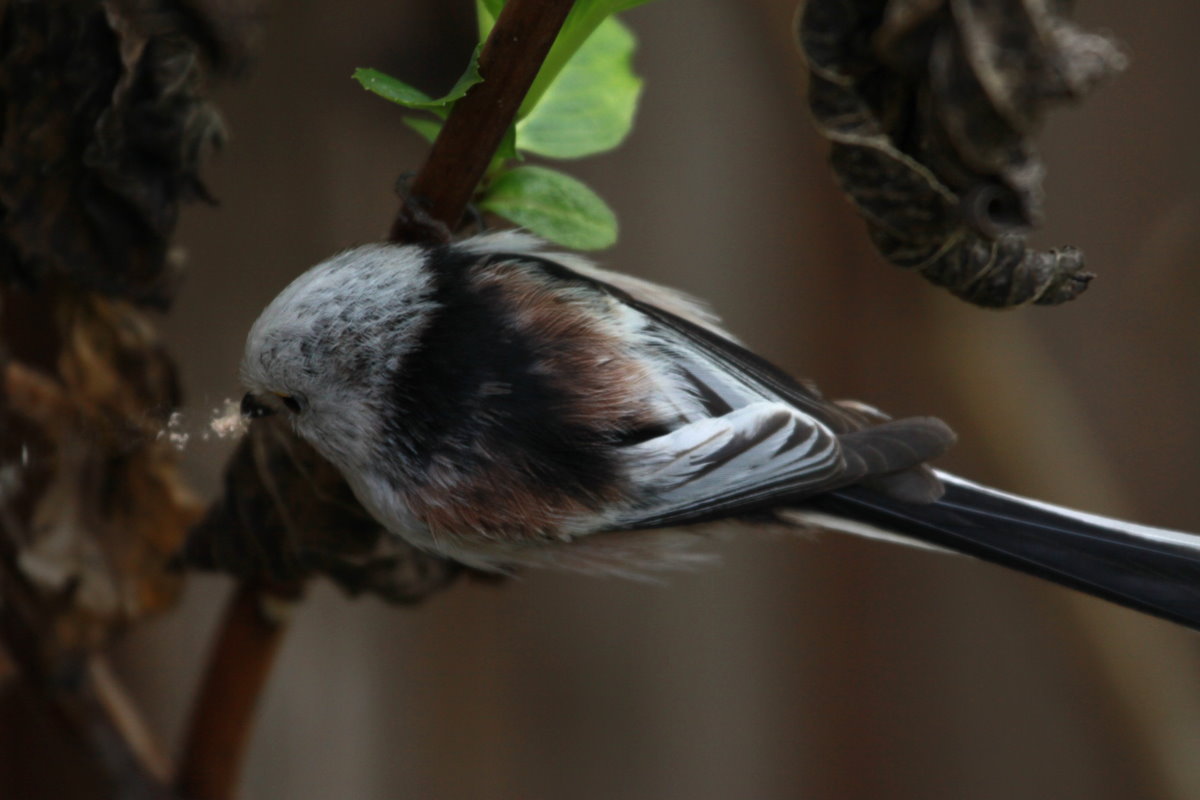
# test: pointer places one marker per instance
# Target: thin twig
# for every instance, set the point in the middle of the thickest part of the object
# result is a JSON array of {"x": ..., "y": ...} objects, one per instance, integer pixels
[{"x": 127, "y": 720}]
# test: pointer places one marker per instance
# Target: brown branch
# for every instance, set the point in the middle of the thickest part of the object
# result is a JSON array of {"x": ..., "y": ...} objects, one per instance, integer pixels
[
  {"x": 510, "y": 61},
  {"x": 248, "y": 640},
  {"x": 241, "y": 661}
]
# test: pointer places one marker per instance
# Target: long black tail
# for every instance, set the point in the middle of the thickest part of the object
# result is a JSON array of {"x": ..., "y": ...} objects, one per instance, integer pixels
[{"x": 1152, "y": 570}]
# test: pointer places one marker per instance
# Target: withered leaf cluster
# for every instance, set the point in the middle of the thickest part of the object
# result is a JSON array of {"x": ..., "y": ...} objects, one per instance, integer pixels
[
  {"x": 105, "y": 124},
  {"x": 92, "y": 504},
  {"x": 930, "y": 106},
  {"x": 105, "y": 128}
]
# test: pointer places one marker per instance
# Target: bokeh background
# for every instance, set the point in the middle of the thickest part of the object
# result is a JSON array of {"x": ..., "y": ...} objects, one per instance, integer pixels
[{"x": 833, "y": 668}]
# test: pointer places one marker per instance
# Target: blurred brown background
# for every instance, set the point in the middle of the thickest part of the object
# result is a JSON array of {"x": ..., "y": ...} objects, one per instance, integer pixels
[{"x": 837, "y": 669}]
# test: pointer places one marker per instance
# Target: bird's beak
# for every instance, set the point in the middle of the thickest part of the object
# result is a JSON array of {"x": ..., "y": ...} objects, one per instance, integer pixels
[{"x": 254, "y": 408}]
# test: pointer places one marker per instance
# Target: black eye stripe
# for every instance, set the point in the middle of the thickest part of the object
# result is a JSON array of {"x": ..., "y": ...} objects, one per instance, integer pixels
[{"x": 291, "y": 403}]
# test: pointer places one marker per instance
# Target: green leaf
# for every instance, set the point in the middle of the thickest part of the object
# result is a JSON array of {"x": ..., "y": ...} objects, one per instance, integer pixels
[
  {"x": 427, "y": 128},
  {"x": 590, "y": 107},
  {"x": 595, "y": 8},
  {"x": 390, "y": 88},
  {"x": 553, "y": 205},
  {"x": 486, "y": 12},
  {"x": 469, "y": 78},
  {"x": 584, "y": 17},
  {"x": 507, "y": 149},
  {"x": 399, "y": 92}
]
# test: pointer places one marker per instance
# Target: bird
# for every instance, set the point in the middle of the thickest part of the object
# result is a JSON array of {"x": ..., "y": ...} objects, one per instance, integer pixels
[{"x": 506, "y": 406}]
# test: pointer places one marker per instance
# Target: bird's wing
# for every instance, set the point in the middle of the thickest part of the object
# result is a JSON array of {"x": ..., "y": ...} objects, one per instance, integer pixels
[
  {"x": 753, "y": 438},
  {"x": 720, "y": 466},
  {"x": 766, "y": 455},
  {"x": 766, "y": 439}
]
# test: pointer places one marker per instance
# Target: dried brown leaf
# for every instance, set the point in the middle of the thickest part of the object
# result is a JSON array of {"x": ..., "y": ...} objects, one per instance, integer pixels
[
  {"x": 101, "y": 509},
  {"x": 931, "y": 106},
  {"x": 105, "y": 127}
]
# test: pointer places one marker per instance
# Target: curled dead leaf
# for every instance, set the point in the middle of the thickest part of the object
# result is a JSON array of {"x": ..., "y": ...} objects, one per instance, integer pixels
[{"x": 931, "y": 106}]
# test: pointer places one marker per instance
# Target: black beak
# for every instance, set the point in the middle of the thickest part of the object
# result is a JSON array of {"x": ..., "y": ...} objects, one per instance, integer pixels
[{"x": 254, "y": 408}]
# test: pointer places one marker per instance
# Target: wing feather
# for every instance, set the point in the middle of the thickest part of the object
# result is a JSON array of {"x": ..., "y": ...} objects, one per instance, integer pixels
[{"x": 723, "y": 465}]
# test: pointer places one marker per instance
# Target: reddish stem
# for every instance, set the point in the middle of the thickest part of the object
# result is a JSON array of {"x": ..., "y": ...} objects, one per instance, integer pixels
[
  {"x": 250, "y": 635},
  {"x": 509, "y": 62}
]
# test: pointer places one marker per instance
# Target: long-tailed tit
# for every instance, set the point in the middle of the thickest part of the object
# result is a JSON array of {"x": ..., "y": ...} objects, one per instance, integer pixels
[{"x": 504, "y": 406}]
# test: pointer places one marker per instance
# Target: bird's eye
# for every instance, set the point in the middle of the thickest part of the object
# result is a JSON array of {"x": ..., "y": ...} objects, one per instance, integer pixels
[{"x": 292, "y": 403}]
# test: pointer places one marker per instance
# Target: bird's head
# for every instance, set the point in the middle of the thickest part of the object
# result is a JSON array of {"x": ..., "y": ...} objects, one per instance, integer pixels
[{"x": 329, "y": 346}]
